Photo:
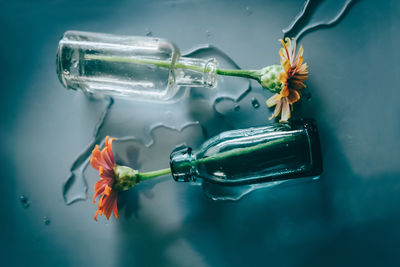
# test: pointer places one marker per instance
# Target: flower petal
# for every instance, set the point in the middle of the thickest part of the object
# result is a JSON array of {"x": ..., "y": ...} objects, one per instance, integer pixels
[
  {"x": 286, "y": 65},
  {"x": 302, "y": 69},
  {"x": 296, "y": 85},
  {"x": 95, "y": 215},
  {"x": 277, "y": 110},
  {"x": 109, "y": 148},
  {"x": 95, "y": 157},
  {"x": 282, "y": 77},
  {"x": 282, "y": 54},
  {"x": 108, "y": 206},
  {"x": 106, "y": 158},
  {"x": 299, "y": 57},
  {"x": 285, "y": 115},
  {"x": 273, "y": 100},
  {"x": 115, "y": 208},
  {"x": 285, "y": 91},
  {"x": 293, "y": 97}
]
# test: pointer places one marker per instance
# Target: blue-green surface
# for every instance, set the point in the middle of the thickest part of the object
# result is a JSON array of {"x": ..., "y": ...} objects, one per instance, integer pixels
[{"x": 349, "y": 217}]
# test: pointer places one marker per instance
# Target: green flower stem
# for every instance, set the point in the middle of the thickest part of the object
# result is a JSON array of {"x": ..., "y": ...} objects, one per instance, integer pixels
[
  {"x": 159, "y": 63},
  {"x": 126, "y": 177},
  {"x": 153, "y": 174},
  {"x": 251, "y": 74},
  {"x": 243, "y": 151}
]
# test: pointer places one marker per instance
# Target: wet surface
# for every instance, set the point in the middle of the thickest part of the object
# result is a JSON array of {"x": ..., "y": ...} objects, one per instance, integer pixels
[
  {"x": 317, "y": 14},
  {"x": 175, "y": 115},
  {"x": 349, "y": 216}
]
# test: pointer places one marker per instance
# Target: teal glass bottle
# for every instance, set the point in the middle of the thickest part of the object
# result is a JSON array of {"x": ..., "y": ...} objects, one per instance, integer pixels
[{"x": 252, "y": 156}]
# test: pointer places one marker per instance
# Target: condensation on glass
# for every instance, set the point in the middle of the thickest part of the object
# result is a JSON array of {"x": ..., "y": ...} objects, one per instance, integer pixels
[
  {"x": 250, "y": 156},
  {"x": 129, "y": 66}
]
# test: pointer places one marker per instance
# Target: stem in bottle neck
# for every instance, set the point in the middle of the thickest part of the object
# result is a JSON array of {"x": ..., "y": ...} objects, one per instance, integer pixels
[{"x": 196, "y": 72}]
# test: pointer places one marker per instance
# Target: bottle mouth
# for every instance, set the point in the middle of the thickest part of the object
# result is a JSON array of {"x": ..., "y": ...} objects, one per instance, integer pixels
[
  {"x": 181, "y": 164},
  {"x": 196, "y": 72},
  {"x": 210, "y": 69}
]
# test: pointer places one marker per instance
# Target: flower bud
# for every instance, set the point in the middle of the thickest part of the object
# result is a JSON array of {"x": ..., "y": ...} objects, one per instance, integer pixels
[
  {"x": 125, "y": 178},
  {"x": 269, "y": 78}
]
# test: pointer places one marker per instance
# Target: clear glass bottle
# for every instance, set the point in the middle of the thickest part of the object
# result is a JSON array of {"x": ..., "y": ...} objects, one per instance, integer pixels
[
  {"x": 129, "y": 66},
  {"x": 251, "y": 156}
]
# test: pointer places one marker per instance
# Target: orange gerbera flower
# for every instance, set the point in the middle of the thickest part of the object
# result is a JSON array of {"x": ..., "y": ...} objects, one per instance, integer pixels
[
  {"x": 103, "y": 161},
  {"x": 292, "y": 78}
]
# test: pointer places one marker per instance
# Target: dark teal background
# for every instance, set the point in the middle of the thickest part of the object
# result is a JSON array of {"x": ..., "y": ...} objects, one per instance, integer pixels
[{"x": 350, "y": 217}]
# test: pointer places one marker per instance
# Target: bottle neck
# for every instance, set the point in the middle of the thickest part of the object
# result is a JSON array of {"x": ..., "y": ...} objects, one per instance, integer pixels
[
  {"x": 181, "y": 164},
  {"x": 196, "y": 72}
]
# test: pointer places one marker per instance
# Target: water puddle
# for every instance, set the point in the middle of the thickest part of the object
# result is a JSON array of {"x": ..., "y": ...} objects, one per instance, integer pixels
[{"x": 317, "y": 14}]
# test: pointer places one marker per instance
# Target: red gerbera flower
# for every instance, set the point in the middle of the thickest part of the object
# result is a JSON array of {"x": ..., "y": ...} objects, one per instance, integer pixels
[{"x": 103, "y": 161}]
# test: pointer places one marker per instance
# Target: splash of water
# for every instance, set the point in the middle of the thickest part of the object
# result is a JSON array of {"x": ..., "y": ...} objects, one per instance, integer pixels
[{"x": 303, "y": 23}]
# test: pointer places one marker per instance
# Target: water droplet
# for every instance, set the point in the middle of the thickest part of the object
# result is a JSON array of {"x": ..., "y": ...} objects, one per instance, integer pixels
[
  {"x": 149, "y": 32},
  {"x": 249, "y": 11},
  {"x": 75, "y": 63},
  {"x": 46, "y": 220},
  {"x": 308, "y": 96},
  {"x": 236, "y": 107},
  {"x": 24, "y": 201},
  {"x": 255, "y": 102},
  {"x": 208, "y": 33}
]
